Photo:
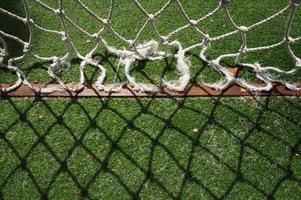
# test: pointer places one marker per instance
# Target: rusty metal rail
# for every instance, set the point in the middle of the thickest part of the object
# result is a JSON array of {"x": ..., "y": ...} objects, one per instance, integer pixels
[{"x": 196, "y": 90}]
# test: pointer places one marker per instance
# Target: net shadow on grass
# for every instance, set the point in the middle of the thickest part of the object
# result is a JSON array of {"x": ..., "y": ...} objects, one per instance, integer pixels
[{"x": 148, "y": 173}]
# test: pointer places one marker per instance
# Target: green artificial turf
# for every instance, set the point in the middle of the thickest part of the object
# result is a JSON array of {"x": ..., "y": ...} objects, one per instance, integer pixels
[{"x": 147, "y": 148}]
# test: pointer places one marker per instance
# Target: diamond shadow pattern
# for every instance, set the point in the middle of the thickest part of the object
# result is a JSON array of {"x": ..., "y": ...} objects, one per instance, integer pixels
[{"x": 149, "y": 148}]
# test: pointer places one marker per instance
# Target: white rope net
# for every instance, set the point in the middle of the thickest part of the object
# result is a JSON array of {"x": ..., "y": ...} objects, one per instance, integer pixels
[{"x": 149, "y": 50}]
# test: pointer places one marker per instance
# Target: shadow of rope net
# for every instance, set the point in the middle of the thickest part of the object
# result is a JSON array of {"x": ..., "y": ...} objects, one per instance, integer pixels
[{"x": 148, "y": 148}]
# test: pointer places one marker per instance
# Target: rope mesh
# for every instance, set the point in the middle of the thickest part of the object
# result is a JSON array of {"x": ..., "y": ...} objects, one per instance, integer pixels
[{"x": 149, "y": 50}]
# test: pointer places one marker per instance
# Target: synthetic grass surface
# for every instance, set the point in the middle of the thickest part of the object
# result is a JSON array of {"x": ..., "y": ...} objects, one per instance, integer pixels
[{"x": 148, "y": 148}]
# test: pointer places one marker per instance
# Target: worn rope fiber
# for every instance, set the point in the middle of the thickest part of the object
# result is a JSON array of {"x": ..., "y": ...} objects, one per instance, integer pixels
[{"x": 149, "y": 50}]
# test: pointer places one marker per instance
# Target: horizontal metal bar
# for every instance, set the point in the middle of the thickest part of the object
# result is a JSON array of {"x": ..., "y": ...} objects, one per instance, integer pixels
[{"x": 196, "y": 90}]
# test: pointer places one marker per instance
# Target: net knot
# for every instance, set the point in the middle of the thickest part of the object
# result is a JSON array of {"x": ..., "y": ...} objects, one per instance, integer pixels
[
  {"x": 95, "y": 35},
  {"x": 11, "y": 61},
  {"x": 26, "y": 47},
  {"x": 151, "y": 17},
  {"x": 131, "y": 43},
  {"x": 105, "y": 22},
  {"x": 289, "y": 40},
  {"x": 257, "y": 68},
  {"x": 193, "y": 22},
  {"x": 243, "y": 29},
  {"x": 55, "y": 59},
  {"x": 214, "y": 63},
  {"x": 57, "y": 63},
  {"x": 149, "y": 48},
  {"x": 207, "y": 40},
  {"x": 59, "y": 12},
  {"x": 64, "y": 35},
  {"x": 28, "y": 22},
  {"x": 165, "y": 40}
]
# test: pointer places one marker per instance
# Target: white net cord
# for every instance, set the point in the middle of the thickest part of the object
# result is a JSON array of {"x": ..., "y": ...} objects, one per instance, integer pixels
[{"x": 150, "y": 50}]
